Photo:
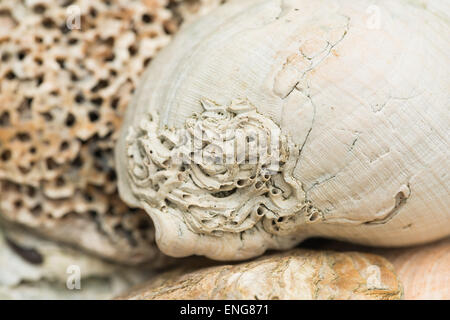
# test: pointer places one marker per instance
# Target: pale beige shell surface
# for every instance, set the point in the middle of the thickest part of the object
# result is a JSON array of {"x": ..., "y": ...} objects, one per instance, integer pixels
[{"x": 357, "y": 93}]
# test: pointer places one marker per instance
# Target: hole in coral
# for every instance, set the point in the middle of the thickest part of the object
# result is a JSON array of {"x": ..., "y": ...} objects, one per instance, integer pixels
[
  {"x": 61, "y": 62},
  {"x": 101, "y": 84},
  {"x": 39, "y": 80},
  {"x": 147, "y": 61},
  {"x": 23, "y": 136},
  {"x": 64, "y": 28},
  {"x": 94, "y": 116},
  {"x": 31, "y": 191},
  {"x": 6, "y": 155},
  {"x": 88, "y": 197},
  {"x": 110, "y": 57},
  {"x": 97, "y": 153},
  {"x": 132, "y": 50},
  {"x": 70, "y": 120},
  {"x": 98, "y": 101},
  {"x": 18, "y": 204},
  {"x": 93, "y": 12},
  {"x": 115, "y": 103},
  {"x": 72, "y": 41},
  {"x": 73, "y": 77},
  {"x": 5, "y": 56},
  {"x": 21, "y": 54},
  {"x": 79, "y": 98},
  {"x": 60, "y": 182},
  {"x": 5, "y": 120},
  {"x": 36, "y": 210},
  {"x": 24, "y": 170},
  {"x": 48, "y": 23},
  {"x": 39, "y": 8},
  {"x": 93, "y": 214},
  {"x": 47, "y": 116},
  {"x": 10, "y": 75},
  {"x": 111, "y": 176},
  {"x": 51, "y": 164},
  {"x": 146, "y": 18},
  {"x": 77, "y": 162}
]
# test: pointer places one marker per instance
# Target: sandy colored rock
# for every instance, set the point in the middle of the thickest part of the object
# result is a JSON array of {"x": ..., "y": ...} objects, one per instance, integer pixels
[
  {"x": 297, "y": 274},
  {"x": 33, "y": 268}
]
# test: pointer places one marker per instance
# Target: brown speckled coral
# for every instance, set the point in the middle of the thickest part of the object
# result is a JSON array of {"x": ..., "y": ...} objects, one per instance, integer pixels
[
  {"x": 62, "y": 96},
  {"x": 297, "y": 274}
]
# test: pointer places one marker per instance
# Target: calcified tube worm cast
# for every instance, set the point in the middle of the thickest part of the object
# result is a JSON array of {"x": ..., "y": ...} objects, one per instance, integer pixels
[{"x": 348, "y": 121}]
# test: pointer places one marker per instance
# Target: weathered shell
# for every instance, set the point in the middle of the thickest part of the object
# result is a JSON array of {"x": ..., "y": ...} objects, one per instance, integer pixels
[
  {"x": 296, "y": 274},
  {"x": 351, "y": 99},
  {"x": 34, "y": 268}
]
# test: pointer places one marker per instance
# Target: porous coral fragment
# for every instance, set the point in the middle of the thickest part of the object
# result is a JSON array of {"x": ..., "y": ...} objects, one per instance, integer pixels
[{"x": 68, "y": 70}]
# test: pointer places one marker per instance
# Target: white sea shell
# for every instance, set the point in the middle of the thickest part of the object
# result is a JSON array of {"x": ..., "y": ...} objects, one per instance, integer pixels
[{"x": 349, "y": 104}]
